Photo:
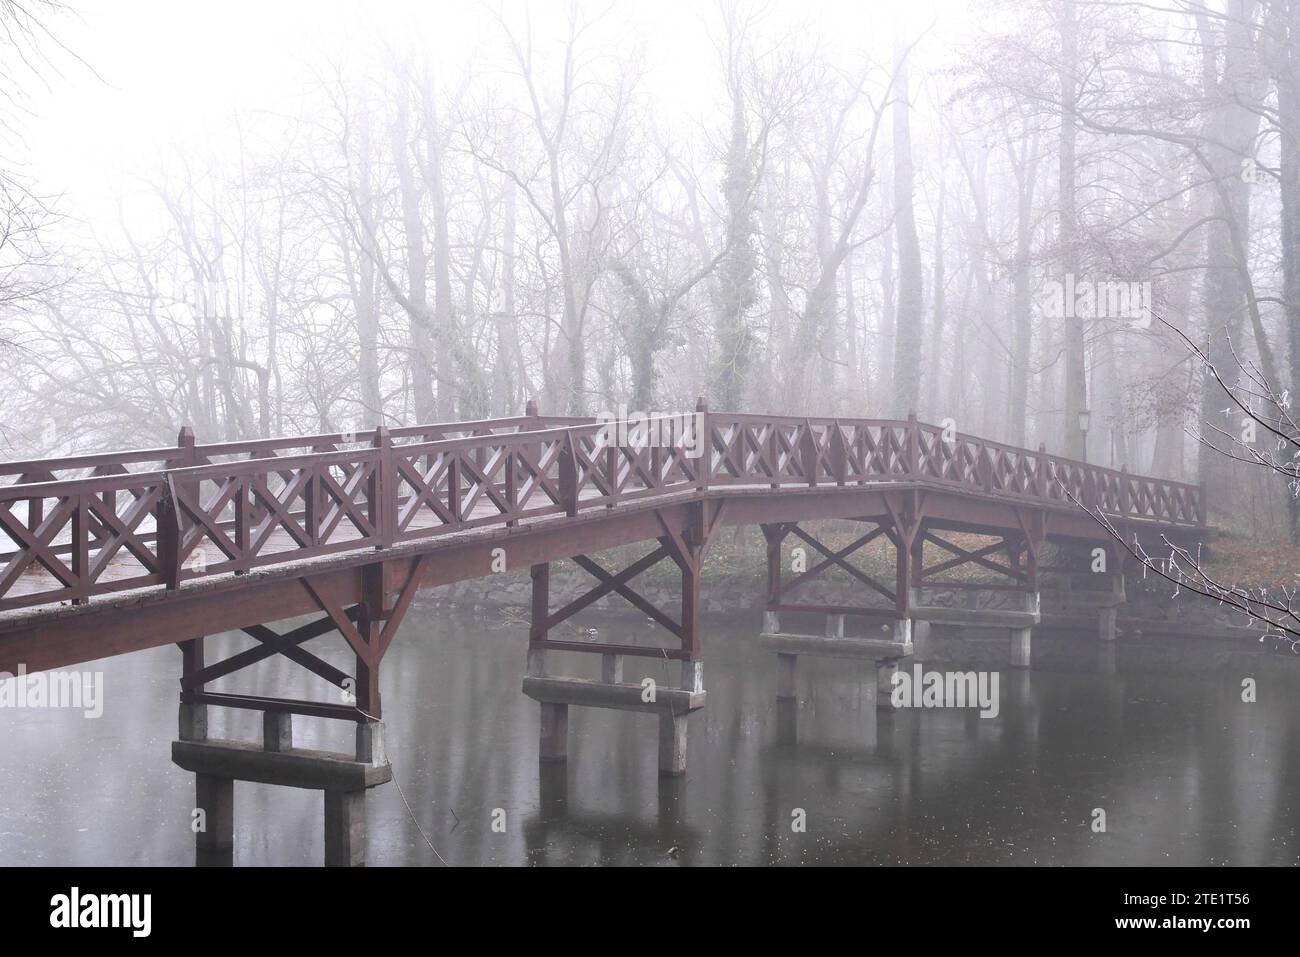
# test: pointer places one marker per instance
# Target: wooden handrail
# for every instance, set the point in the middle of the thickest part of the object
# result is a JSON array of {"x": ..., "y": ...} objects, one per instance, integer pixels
[{"x": 378, "y": 491}]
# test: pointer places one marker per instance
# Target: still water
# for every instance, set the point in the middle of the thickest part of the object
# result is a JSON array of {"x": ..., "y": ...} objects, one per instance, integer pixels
[{"x": 1158, "y": 738}]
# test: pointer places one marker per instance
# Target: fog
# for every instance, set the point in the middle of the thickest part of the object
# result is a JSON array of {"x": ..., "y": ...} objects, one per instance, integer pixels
[{"x": 310, "y": 217}]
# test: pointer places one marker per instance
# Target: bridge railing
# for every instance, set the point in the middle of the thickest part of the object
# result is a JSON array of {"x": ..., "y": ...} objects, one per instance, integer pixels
[
  {"x": 792, "y": 450},
  {"x": 187, "y": 452},
  {"x": 235, "y": 507}
]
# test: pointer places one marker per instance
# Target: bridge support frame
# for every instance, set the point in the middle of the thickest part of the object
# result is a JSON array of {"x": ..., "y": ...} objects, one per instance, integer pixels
[
  {"x": 1017, "y": 574},
  {"x": 369, "y": 628},
  {"x": 218, "y": 764},
  {"x": 883, "y": 652},
  {"x": 555, "y": 694},
  {"x": 1082, "y": 586}
]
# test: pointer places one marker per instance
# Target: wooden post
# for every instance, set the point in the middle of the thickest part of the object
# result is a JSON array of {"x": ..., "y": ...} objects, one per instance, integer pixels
[
  {"x": 808, "y": 453},
  {"x": 243, "y": 523},
  {"x": 689, "y": 557},
  {"x": 186, "y": 454},
  {"x": 569, "y": 476},
  {"x": 382, "y": 493},
  {"x": 839, "y": 454},
  {"x": 511, "y": 478},
  {"x": 167, "y": 520},
  {"x": 314, "y": 509},
  {"x": 453, "y": 487},
  {"x": 902, "y": 565},
  {"x": 532, "y": 450},
  {"x": 706, "y": 438},
  {"x": 913, "y": 443},
  {"x": 1033, "y": 542},
  {"x": 774, "y": 454},
  {"x": 192, "y": 718},
  {"x": 691, "y": 610},
  {"x": 370, "y": 623},
  {"x": 541, "y": 604},
  {"x": 985, "y": 468},
  {"x": 186, "y": 457},
  {"x": 918, "y": 552},
  {"x": 80, "y": 557},
  {"x": 775, "y": 535},
  {"x": 611, "y": 471}
]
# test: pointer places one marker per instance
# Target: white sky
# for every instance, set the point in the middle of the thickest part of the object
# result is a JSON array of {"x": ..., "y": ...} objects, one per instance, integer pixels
[{"x": 173, "y": 71}]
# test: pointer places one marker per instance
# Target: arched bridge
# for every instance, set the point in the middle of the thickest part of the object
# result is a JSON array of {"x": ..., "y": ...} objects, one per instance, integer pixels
[
  {"x": 116, "y": 552},
  {"x": 109, "y": 553}
]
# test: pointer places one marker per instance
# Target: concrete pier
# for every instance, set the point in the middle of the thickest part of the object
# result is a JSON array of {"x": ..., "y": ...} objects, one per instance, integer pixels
[
  {"x": 553, "y": 738},
  {"x": 345, "y": 828},
  {"x": 1106, "y": 623},
  {"x": 277, "y": 731},
  {"x": 1080, "y": 595},
  {"x": 884, "y": 652},
  {"x": 1106, "y": 658},
  {"x": 611, "y": 669},
  {"x": 672, "y": 705},
  {"x": 885, "y": 671},
  {"x": 343, "y": 779},
  {"x": 214, "y": 842},
  {"x": 192, "y": 721},
  {"x": 371, "y": 748},
  {"x": 672, "y": 744},
  {"x": 1020, "y": 647},
  {"x": 786, "y": 666},
  {"x": 1019, "y": 621}
]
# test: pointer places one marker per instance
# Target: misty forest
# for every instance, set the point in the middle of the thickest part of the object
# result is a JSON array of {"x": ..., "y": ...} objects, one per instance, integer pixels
[
  {"x": 853, "y": 209},
  {"x": 950, "y": 347}
]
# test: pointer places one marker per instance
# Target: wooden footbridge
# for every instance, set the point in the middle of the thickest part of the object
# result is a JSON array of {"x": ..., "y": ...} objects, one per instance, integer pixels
[{"x": 117, "y": 552}]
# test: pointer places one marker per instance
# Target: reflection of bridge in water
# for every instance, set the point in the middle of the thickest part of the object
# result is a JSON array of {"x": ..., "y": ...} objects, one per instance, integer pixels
[{"x": 117, "y": 552}]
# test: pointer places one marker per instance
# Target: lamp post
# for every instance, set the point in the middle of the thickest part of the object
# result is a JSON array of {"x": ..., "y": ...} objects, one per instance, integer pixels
[{"x": 1085, "y": 419}]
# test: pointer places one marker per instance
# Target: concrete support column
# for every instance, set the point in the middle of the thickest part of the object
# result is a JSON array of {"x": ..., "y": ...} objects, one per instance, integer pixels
[
  {"x": 834, "y": 626},
  {"x": 902, "y": 631},
  {"x": 372, "y": 747},
  {"x": 672, "y": 744},
  {"x": 554, "y": 741},
  {"x": 692, "y": 676},
  {"x": 1106, "y": 623},
  {"x": 277, "y": 730},
  {"x": 1020, "y": 640},
  {"x": 885, "y": 671},
  {"x": 345, "y": 828},
  {"x": 785, "y": 676},
  {"x": 215, "y": 797},
  {"x": 771, "y": 623},
  {"x": 536, "y": 662},
  {"x": 611, "y": 669},
  {"x": 193, "y": 722},
  {"x": 921, "y": 638}
]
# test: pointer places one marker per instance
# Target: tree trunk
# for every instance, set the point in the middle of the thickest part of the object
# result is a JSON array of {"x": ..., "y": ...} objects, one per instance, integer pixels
[{"x": 910, "y": 313}]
